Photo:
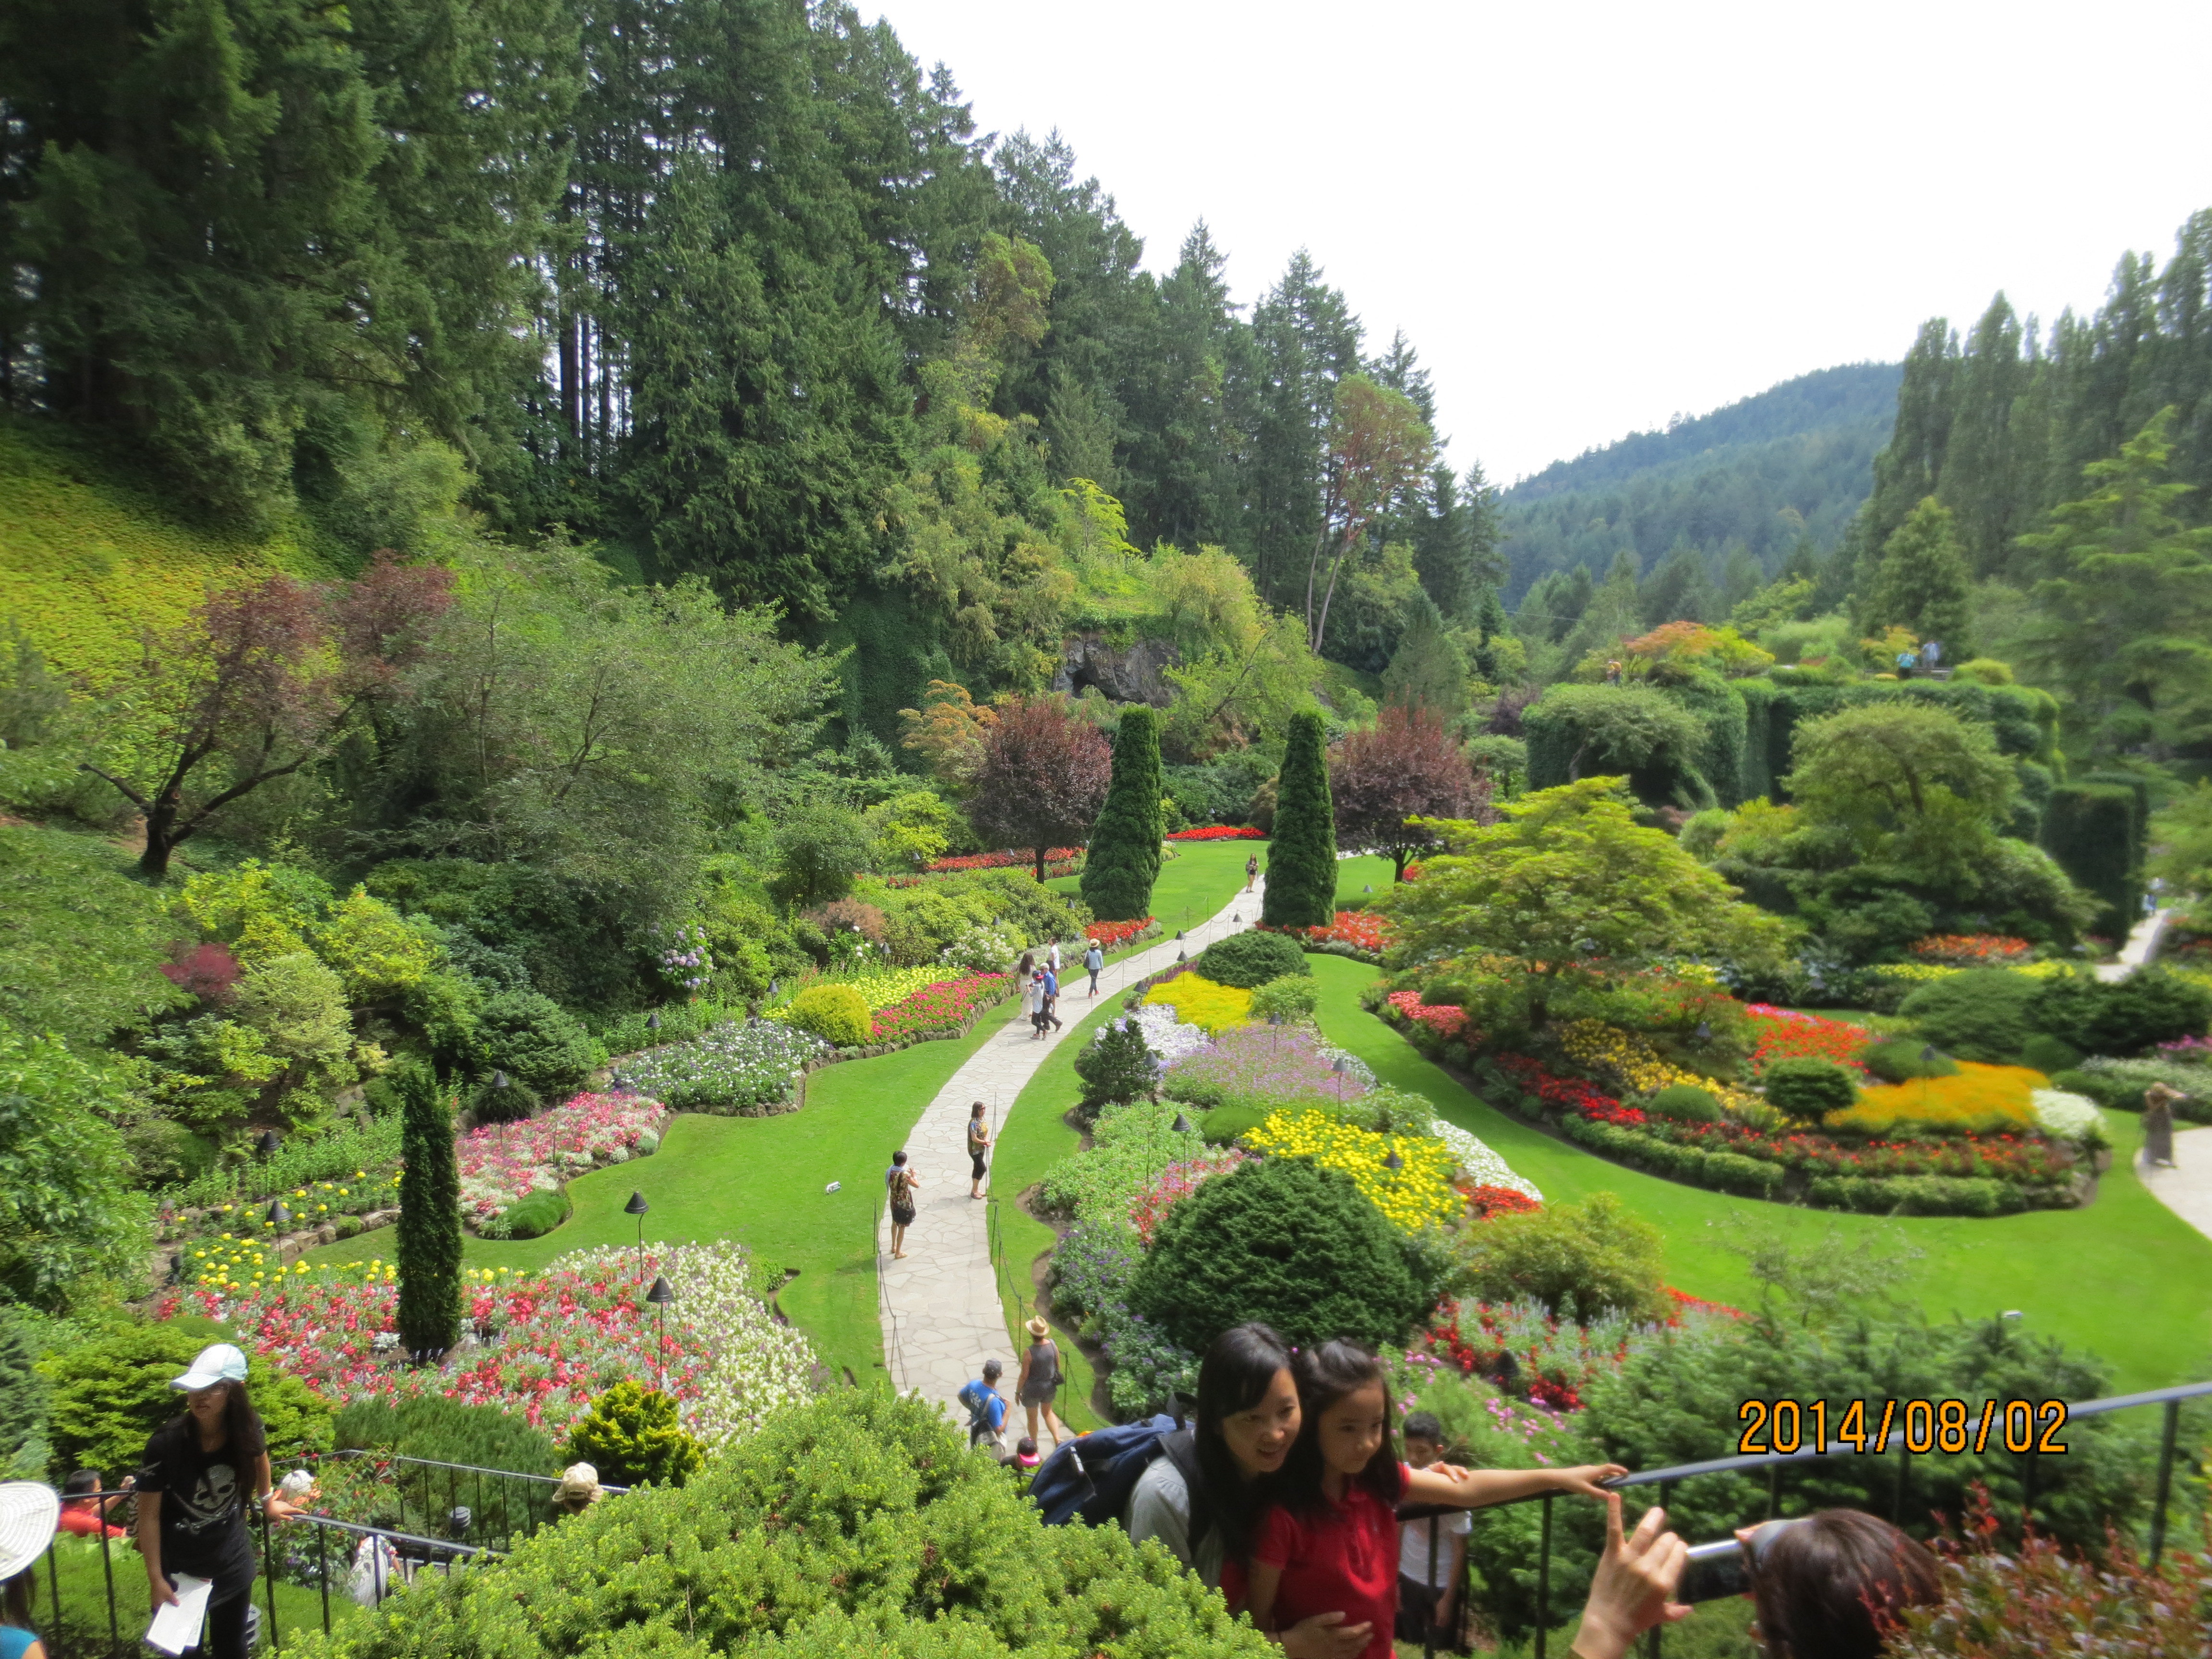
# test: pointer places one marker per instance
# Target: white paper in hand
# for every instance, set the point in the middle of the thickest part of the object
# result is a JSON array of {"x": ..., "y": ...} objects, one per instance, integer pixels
[{"x": 176, "y": 1625}]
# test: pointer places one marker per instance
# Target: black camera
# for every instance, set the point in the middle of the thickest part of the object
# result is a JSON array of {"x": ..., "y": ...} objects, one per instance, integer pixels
[{"x": 1716, "y": 1570}]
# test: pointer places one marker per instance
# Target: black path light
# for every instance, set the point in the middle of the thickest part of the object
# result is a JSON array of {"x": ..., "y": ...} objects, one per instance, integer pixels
[
  {"x": 653, "y": 1020},
  {"x": 267, "y": 1144},
  {"x": 660, "y": 1296},
  {"x": 1394, "y": 1163},
  {"x": 279, "y": 1215},
  {"x": 1181, "y": 1124},
  {"x": 1337, "y": 1067},
  {"x": 637, "y": 1206}
]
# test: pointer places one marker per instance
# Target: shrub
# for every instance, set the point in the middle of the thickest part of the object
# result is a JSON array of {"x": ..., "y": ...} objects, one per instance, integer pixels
[
  {"x": 1809, "y": 1090},
  {"x": 632, "y": 1437},
  {"x": 1283, "y": 1241},
  {"x": 535, "y": 1214},
  {"x": 2118, "y": 1084},
  {"x": 1581, "y": 1260},
  {"x": 429, "y": 1318},
  {"x": 838, "y": 1014},
  {"x": 1291, "y": 997},
  {"x": 1130, "y": 1145},
  {"x": 1900, "y": 1060},
  {"x": 1124, "y": 858},
  {"x": 535, "y": 1042},
  {"x": 445, "y": 1431},
  {"x": 1118, "y": 1066},
  {"x": 110, "y": 1393},
  {"x": 1983, "y": 1014},
  {"x": 1384, "y": 1110},
  {"x": 1302, "y": 862},
  {"x": 1685, "y": 1103},
  {"x": 69, "y": 1220},
  {"x": 857, "y": 1524},
  {"x": 1250, "y": 960},
  {"x": 2048, "y": 1054},
  {"x": 1968, "y": 1196},
  {"x": 1226, "y": 1123},
  {"x": 501, "y": 1099},
  {"x": 2149, "y": 1007}
]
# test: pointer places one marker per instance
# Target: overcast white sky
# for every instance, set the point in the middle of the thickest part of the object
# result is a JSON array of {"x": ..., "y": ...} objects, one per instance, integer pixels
[{"x": 1588, "y": 218}]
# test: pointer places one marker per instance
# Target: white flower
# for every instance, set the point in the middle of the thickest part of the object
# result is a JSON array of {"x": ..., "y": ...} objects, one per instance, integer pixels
[
  {"x": 1481, "y": 1165},
  {"x": 2065, "y": 1116},
  {"x": 1166, "y": 1035}
]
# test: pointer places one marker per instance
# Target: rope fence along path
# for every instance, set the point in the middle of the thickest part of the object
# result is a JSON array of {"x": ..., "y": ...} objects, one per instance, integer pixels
[{"x": 941, "y": 1313}]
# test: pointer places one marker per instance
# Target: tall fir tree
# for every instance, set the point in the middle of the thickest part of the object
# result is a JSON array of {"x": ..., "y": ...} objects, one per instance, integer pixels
[
  {"x": 429, "y": 1242},
  {"x": 1922, "y": 584},
  {"x": 1124, "y": 860},
  {"x": 1302, "y": 861},
  {"x": 1429, "y": 669}
]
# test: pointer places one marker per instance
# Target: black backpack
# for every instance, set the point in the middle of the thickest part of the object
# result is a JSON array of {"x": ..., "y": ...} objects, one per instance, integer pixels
[{"x": 1089, "y": 1479}]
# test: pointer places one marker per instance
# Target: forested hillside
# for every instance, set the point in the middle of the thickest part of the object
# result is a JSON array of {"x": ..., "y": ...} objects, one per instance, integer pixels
[{"x": 1763, "y": 477}]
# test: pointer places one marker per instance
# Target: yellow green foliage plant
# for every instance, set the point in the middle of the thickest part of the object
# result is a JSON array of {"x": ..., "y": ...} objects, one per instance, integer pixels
[{"x": 838, "y": 1014}]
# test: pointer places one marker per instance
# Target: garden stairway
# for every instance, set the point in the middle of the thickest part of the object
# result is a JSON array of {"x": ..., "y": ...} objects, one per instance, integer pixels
[{"x": 941, "y": 1313}]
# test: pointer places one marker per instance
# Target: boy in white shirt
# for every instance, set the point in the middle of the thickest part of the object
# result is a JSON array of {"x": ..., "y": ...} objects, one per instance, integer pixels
[{"x": 1426, "y": 1603}]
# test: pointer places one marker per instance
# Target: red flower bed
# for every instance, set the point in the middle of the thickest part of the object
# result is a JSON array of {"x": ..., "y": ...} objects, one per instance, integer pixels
[
  {"x": 1485, "y": 1202},
  {"x": 2007, "y": 1158},
  {"x": 1358, "y": 928},
  {"x": 1220, "y": 832},
  {"x": 1572, "y": 1093},
  {"x": 1687, "y": 1304},
  {"x": 1972, "y": 950},
  {"x": 1785, "y": 1035},
  {"x": 945, "y": 1006},
  {"x": 1106, "y": 935},
  {"x": 1448, "y": 1020},
  {"x": 1013, "y": 860}
]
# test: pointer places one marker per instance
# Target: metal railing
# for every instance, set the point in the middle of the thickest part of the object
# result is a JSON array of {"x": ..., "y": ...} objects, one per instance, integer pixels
[{"x": 1775, "y": 1462}]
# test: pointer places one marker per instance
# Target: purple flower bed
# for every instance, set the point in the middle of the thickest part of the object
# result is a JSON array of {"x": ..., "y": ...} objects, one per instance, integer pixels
[{"x": 1263, "y": 1067}]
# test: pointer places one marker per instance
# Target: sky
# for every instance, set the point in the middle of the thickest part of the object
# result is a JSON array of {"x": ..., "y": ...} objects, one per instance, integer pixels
[{"x": 1587, "y": 218}]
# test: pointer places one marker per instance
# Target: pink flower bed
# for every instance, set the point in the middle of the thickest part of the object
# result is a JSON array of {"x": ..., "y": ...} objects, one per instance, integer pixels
[
  {"x": 500, "y": 1162},
  {"x": 1448, "y": 1020},
  {"x": 1176, "y": 1181},
  {"x": 945, "y": 1006}
]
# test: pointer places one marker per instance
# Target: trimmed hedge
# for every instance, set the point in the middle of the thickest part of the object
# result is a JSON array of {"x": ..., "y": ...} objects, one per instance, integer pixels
[
  {"x": 1726, "y": 1172},
  {"x": 1972, "y": 1195},
  {"x": 2091, "y": 829}
]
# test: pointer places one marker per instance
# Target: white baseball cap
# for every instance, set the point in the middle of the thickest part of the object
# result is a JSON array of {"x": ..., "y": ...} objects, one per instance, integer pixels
[
  {"x": 220, "y": 1362},
  {"x": 28, "y": 1512}
]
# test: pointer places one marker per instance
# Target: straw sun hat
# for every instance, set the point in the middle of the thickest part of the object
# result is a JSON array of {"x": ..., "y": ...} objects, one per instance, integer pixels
[
  {"x": 1038, "y": 1327},
  {"x": 28, "y": 1513}
]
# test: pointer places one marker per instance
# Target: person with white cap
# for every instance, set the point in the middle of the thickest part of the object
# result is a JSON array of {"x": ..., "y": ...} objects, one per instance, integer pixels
[
  {"x": 202, "y": 1469},
  {"x": 29, "y": 1515}
]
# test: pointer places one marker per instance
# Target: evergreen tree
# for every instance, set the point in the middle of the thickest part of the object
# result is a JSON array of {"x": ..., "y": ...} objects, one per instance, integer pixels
[
  {"x": 429, "y": 1242},
  {"x": 1124, "y": 853},
  {"x": 1301, "y": 863},
  {"x": 1923, "y": 585},
  {"x": 1428, "y": 669}
]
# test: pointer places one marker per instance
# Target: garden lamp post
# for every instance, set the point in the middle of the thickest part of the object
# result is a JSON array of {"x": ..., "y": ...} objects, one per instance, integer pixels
[
  {"x": 637, "y": 1206},
  {"x": 660, "y": 1296},
  {"x": 1181, "y": 1124},
  {"x": 653, "y": 1020},
  {"x": 1337, "y": 1067},
  {"x": 1394, "y": 1163},
  {"x": 279, "y": 1214},
  {"x": 267, "y": 1144}
]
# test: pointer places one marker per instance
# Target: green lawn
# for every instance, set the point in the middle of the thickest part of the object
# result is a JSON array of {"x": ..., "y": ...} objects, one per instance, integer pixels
[
  {"x": 1355, "y": 875},
  {"x": 1202, "y": 878},
  {"x": 2125, "y": 1278}
]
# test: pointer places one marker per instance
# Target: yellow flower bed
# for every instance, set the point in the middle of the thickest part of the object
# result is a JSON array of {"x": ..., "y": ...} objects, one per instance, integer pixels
[
  {"x": 1199, "y": 1001},
  {"x": 879, "y": 991},
  {"x": 1980, "y": 1100},
  {"x": 1418, "y": 1195},
  {"x": 1633, "y": 1065},
  {"x": 1920, "y": 973}
]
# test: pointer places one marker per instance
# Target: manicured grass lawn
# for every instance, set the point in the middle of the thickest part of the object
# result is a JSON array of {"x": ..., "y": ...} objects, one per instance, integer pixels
[
  {"x": 1355, "y": 875},
  {"x": 1202, "y": 878},
  {"x": 2125, "y": 1278},
  {"x": 759, "y": 1181}
]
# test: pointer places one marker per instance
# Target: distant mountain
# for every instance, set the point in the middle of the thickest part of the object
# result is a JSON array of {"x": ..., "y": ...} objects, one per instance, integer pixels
[{"x": 1796, "y": 460}]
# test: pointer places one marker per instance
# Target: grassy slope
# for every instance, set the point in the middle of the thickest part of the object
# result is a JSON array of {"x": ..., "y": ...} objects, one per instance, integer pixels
[
  {"x": 2125, "y": 1278},
  {"x": 88, "y": 559}
]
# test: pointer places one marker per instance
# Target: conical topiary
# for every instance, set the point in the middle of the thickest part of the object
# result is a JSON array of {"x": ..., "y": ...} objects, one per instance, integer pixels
[
  {"x": 1302, "y": 861},
  {"x": 430, "y": 1242},
  {"x": 1124, "y": 860}
]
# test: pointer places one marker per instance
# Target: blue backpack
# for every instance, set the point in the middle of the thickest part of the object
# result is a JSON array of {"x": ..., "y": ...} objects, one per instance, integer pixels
[
  {"x": 1090, "y": 1477},
  {"x": 976, "y": 1396}
]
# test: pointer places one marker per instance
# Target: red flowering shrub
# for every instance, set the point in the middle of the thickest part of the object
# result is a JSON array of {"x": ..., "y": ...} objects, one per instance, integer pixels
[
  {"x": 1361, "y": 929},
  {"x": 1448, "y": 1020},
  {"x": 1220, "y": 832},
  {"x": 1555, "y": 1358},
  {"x": 208, "y": 972},
  {"x": 1782, "y": 1035},
  {"x": 1485, "y": 1202},
  {"x": 1972, "y": 950},
  {"x": 1054, "y": 857},
  {"x": 1570, "y": 1094}
]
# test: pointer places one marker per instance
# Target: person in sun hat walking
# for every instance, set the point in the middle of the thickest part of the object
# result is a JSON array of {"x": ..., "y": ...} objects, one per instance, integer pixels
[
  {"x": 1038, "y": 1385},
  {"x": 203, "y": 1467},
  {"x": 29, "y": 1512},
  {"x": 979, "y": 1147}
]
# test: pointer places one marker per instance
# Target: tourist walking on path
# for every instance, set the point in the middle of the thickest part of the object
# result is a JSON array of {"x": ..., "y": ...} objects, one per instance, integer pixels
[
  {"x": 2158, "y": 1125},
  {"x": 1039, "y": 1384},
  {"x": 901, "y": 1182},
  {"x": 979, "y": 1143},
  {"x": 1051, "y": 995},
  {"x": 1251, "y": 872},
  {"x": 1094, "y": 960},
  {"x": 987, "y": 1407},
  {"x": 1033, "y": 1001},
  {"x": 1052, "y": 961}
]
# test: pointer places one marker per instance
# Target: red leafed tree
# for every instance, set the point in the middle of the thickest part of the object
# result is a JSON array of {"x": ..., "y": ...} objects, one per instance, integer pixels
[
  {"x": 1042, "y": 779},
  {"x": 1405, "y": 766},
  {"x": 264, "y": 680}
]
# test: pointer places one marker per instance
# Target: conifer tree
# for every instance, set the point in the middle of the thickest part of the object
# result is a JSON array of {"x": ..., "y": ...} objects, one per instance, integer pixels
[
  {"x": 1923, "y": 585},
  {"x": 1301, "y": 864},
  {"x": 429, "y": 1217},
  {"x": 1125, "y": 843}
]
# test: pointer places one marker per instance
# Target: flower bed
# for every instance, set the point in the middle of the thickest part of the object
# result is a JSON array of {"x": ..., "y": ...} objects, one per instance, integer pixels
[
  {"x": 1782, "y": 1034},
  {"x": 1220, "y": 832},
  {"x": 1417, "y": 1195},
  {"x": 1979, "y": 1100},
  {"x": 557, "y": 1340},
  {"x": 1447, "y": 1021},
  {"x": 1112, "y": 935},
  {"x": 1199, "y": 1001},
  {"x": 732, "y": 1067},
  {"x": 945, "y": 1006},
  {"x": 1631, "y": 1061},
  {"x": 500, "y": 1162},
  {"x": 1554, "y": 1360},
  {"x": 1489, "y": 1172},
  {"x": 1360, "y": 934},
  {"x": 1972, "y": 950},
  {"x": 1008, "y": 861},
  {"x": 1178, "y": 1180},
  {"x": 1262, "y": 1067},
  {"x": 1167, "y": 1036},
  {"x": 1483, "y": 1202}
]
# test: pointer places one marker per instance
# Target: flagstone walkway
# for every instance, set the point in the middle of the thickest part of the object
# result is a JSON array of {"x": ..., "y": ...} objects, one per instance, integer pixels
[
  {"x": 941, "y": 1309},
  {"x": 2186, "y": 1187}
]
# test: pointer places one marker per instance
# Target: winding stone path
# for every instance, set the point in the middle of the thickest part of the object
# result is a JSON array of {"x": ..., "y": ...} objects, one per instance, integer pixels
[
  {"x": 2186, "y": 1188},
  {"x": 939, "y": 1306}
]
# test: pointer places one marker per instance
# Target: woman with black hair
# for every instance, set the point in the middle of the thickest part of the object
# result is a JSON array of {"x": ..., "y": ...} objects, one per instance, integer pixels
[{"x": 201, "y": 1470}]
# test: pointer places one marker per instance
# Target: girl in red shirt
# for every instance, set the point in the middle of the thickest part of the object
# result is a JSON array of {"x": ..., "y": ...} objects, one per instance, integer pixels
[{"x": 1329, "y": 1544}]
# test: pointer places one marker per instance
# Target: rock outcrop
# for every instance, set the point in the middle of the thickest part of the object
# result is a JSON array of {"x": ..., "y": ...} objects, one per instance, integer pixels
[{"x": 1130, "y": 673}]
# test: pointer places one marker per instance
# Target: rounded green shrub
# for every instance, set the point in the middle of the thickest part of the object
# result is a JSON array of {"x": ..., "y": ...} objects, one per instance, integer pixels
[
  {"x": 1118, "y": 1065},
  {"x": 2049, "y": 1054},
  {"x": 1903, "y": 1060},
  {"x": 1809, "y": 1090},
  {"x": 446, "y": 1431},
  {"x": 535, "y": 1042},
  {"x": 1685, "y": 1103},
  {"x": 838, "y": 1014},
  {"x": 632, "y": 1437},
  {"x": 1226, "y": 1123},
  {"x": 1982, "y": 1014},
  {"x": 536, "y": 1213},
  {"x": 1250, "y": 960},
  {"x": 1581, "y": 1260},
  {"x": 1284, "y": 1241},
  {"x": 2149, "y": 1007},
  {"x": 1291, "y": 997},
  {"x": 490, "y": 1102}
]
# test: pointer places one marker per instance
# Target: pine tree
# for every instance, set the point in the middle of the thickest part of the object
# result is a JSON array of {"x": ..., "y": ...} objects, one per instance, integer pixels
[
  {"x": 1301, "y": 863},
  {"x": 1428, "y": 669},
  {"x": 1124, "y": 860},
  {"x": 1923, "y": 585},
  {"x": 429, "y": 1217}
]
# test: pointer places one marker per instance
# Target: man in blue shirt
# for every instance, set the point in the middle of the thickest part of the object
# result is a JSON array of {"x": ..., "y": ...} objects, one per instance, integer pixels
[
  {"x": 986, "y": 1406},
  {"x": 1051, "y": 997}
]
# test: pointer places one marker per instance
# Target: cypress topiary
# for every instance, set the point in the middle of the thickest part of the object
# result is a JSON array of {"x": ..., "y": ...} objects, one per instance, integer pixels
[
  {"x": 1124, "y": 860},
  {"x": 429, "y": 1217},
  {"x": 1301, "y": 863}
]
